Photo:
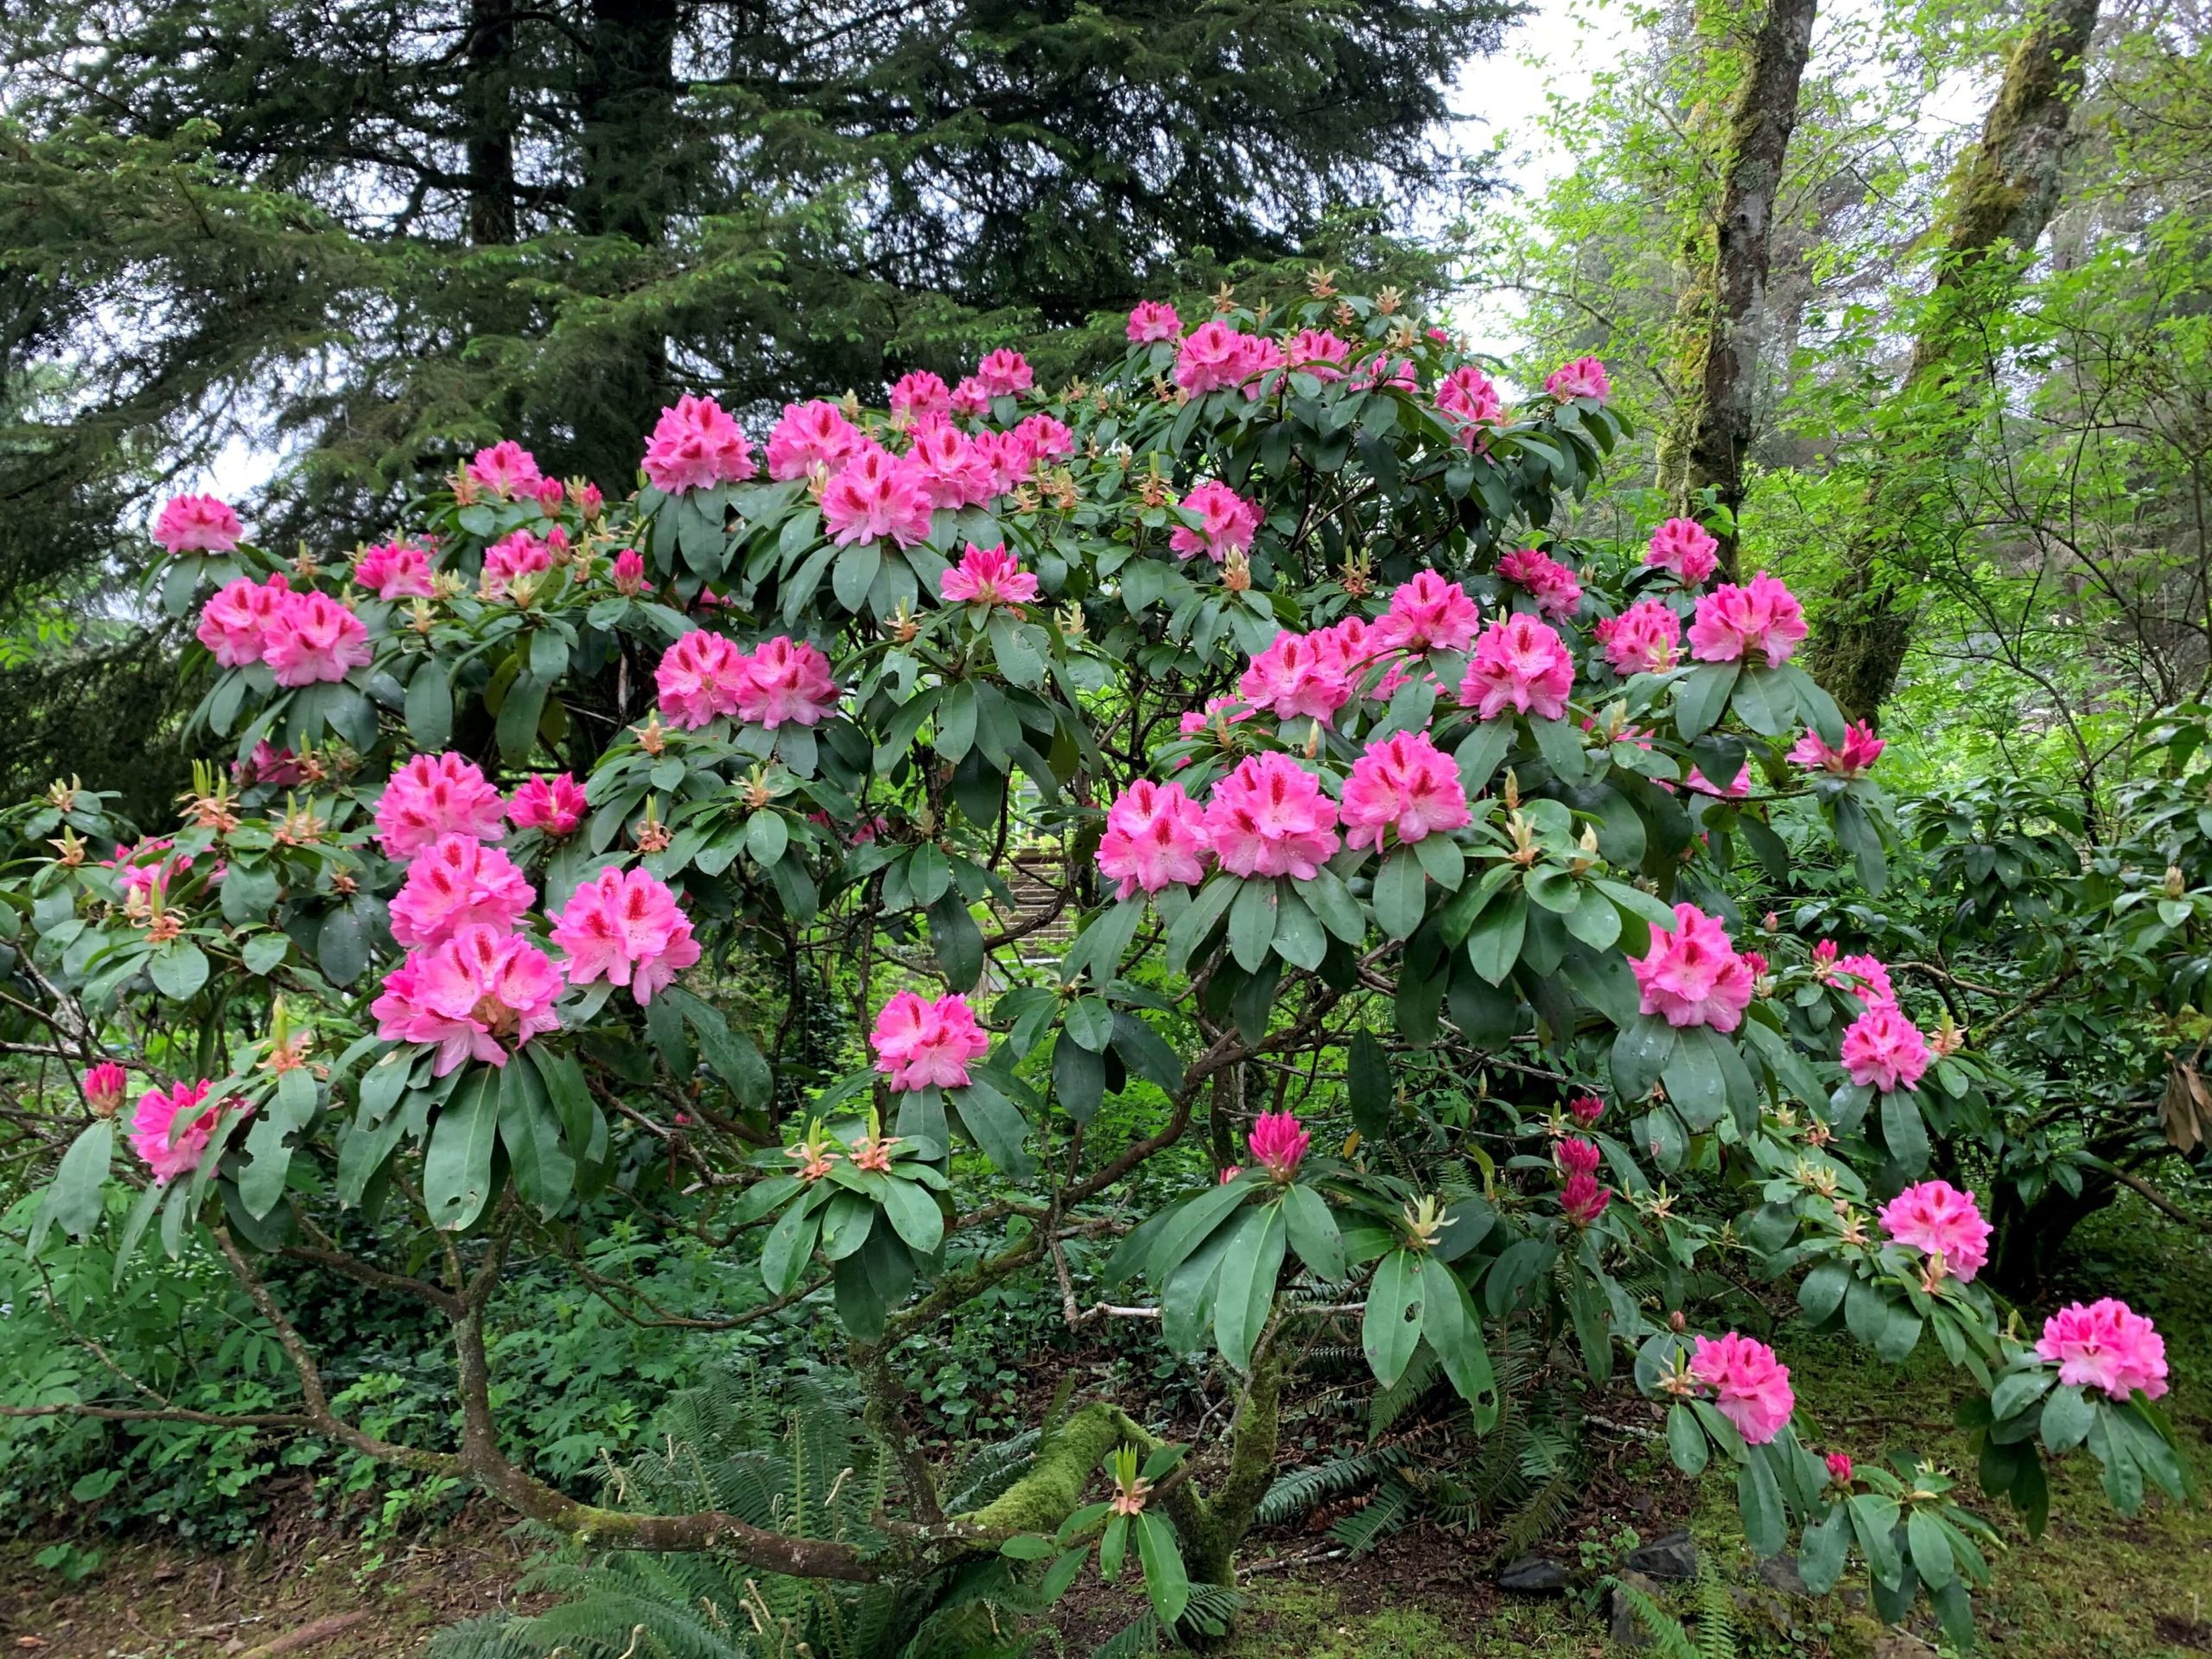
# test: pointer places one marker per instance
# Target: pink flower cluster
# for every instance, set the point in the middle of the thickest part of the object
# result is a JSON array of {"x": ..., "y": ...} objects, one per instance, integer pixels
[
  {"x": 1692, "y": 976},
  {"x": 986, "y": 576},
  {"x": 1522, "y": 664},
  {"x": 1860, "y": 750},
  {"x": 104, "y": 1086},
  {"x": 458, "y": 882},
  {"x": 1215, "y": 356},
  {"x": 520, "y": 554},
  {"x": 1685, "y": 547},
  {"x": 1583, "y": 1198},
  {"x": 1642, "y": 639},
  {"x": 696, "y": 446},
  {"x": 1155, "y": 836},
  {"x": 1585, "y": 1109},
  {"x": 1469, "y": 403},
  {"x": 922, "y": 1044},
  {"x": 171, "y": 1149},
  {"x": 1734, "y": 622},
  {"x": 474, "y": 995},
  {"x": 1863, "y": 976},
  {"x": 1883, "y": 1049},
  {"x": 783, "y": 681},
  {"x": 1270, "y": 818},
  {"x": 811, "y": 435},
  {"x": 304, "y": 637},
  {"x": 1153, "y": 320},
  {"x": 1429, "y": 614},
  {"x": 1226, "y": 523},
  {"x": 1005, "y": 374},
  {"x": 507, "y": 468},
  {"x": 394, "y": 570},
  {"x": 1750, "y": 1386},
  {"x": 1576, "y": 1156},
  {"x": 1404, "y": 784},
  {"x": 917, "y": 395},
  {"x": 1555, "y": 587},
  {"x": 433, "y": 796},
  {"x": 874, "y": 495},
  {"x": 1278, "y": 1144},
  {"x": 1298, "y": 676},
  {"x": 624, "y": 926},
  {"x": 2105, "y": 1345},
  {"x": 198, "y": 524},
  {"x": 554, "y": 806},
  {"x": 1583, "y": 377},
  {"x": 1934, "y": 1216}
]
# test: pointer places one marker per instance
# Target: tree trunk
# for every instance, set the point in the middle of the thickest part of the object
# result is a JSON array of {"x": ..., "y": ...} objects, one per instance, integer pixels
[
  {"x": 1715, "y": 421},
  {"x": 2029, "y": 1239},
  {"x": 2000, "y": 202},
  {"x": 490, "y": 115}
]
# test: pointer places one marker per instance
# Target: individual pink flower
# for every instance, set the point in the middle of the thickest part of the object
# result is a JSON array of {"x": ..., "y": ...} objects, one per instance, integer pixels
[
  {"x": 624, "y": 926},
  {"x": 987, "y": 576},
  {"x": 1518, "y": 663},
  {"x": 1153, "y": 320},
  {"x": 1697, "y": 783},
  {"x": 1269, "y": 817},
  {"x": 1429, "y": 614},
  {"x": 459, "y": 882},
  {"x": 1860, "y": 750},
  {"x": 1469, "y": 402},
  {"x": 314, "y": 638},
  {"x": 589, "y": 501},
  {"x": 170, "y": 1151},
  {"x": 104, "y": 1086},
  {"x": 1005, "y": 372},
  {"x": 1883, "y": 1049},
  {"x": 1278, "y": 1144},
  {"x": 1229, "y": 1173},
  {"x": 1007, "y": 457},
  {"x": 554, "y": 806},
  {"x": 2105, "y": 1345},
  {"x": 1576, "y": 1156},
  {"x": 922, "y": 1044},
  {"x": 1734, "y": 622},
  {"x": 1297, "y": 677},
  {"x": 1839, "y": 1464},
  {"x": 1155, "y": 836},
  {"x": 479, "y": 994},
  {"x": 1866, "y": 977},
  {"x": 1692, "y": 976},
  {"x": 971, "y": 397},
  {"x": 1556, "y": 589},
  {"x": 786, "y": 682},
  {"x": 1227, "y": 523},
  {"x": 696, "y": 446},
  {"x": 520, "y": 554},
  {"x": 198, "y": 524},
  {"x": 810, "y": 434},
  {"x": 1583, "y": 377},
  {"x": 1585, "y": 1109},
  {"x": 1642, "y": 639},
  {"x": 1936, "y": 1217},
  {"x": 394, "y": 570},
  {"x": 1317, "y": 352},
  {"x": 145, "y": 866},
  {"x": 1406, "y": 784},
  {"x": 269, "y": 765},
  {"x": 433, "y": 796},
  {"x": 507, "y": 468},
  {"x": 234, "y": 625},
  {"x": 1758, "y": 964},
  {"x": 1583, "y": 1198},
  {"x": 1751, "y": 1385},
  {"x": 1381, "y": 370},
  {"x": 629, "y": 572},
  {"x": 1685, "y": 547},
  {"x": 954, "y": 470},
  {"x": 550, "y": 493},
  {"x": 1357, "y": 647},
  {"x": 918, "y": 394},
  {"x": 1261, "y": 355},
  {"x": 1046, "y": 437},
  {"x": 1213, "y": 356},
  {"x": 699, "y": 678},
  {"x": 876, "y": 495}
]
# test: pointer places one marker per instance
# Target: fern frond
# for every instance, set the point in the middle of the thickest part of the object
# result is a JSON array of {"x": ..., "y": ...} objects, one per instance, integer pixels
[
  {"x": 1385, "y": 1512},
  {"x": 1670, "y": 1640},
  {"x": 1716, "y": 1616},
  {"x": 1299, "y": 1491}
]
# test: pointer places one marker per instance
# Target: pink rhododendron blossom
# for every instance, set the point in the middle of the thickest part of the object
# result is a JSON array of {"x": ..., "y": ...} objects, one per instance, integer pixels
[
  {"x": 170, "y": 1151},
  {"x": 1700, "y": 784},
  {"x": 1860, "y": 750},
  {"x": 459, "y": 882},
  {"x": 1756, "y": 962},
  {"x": 971, "y": 397},
  {"x": 699, "y": 678},
  {"x": 1685, "y": 547},
  {"x": 1405, "y": 784},
  {"x": 629, "y": 572},
  {"x": 147, "y": 864},
  {"x": 1007, "y": 457},
  {"x": 313, "y": 639},
  {"x": 786, "y": 682},
  {"x": 1155, "y": 836},
  {"x": 2105, "y": 1345},
  {"x": 550, "y": 493},
  {"x": 876, "y": 495},
  {"x": 1642, "y": 639},
  {"x": 1583, "y": 1199},
  {"x": 1751, "y": 1386},
  {"x": 554, "y": 806},
  {"x": 104, "y": 1086},
  {"x": 1583, "y": 377},
  {"x": 1297, "y": 677},
  {"x": 1429, "y": 614},
  {"x": 624, "y": 926},
  {"x": 198, "y": 524},
  {"x": 433, "y": 796},
  {"x": 1734, "y": 622},
  {"x": 1227, "y": 523},
  {"x": 589, "y": 501},
  {"x": 1045, "y": 437},
  {"x": 1936, "y": 1217},
  {"x": 1518, "y": 663},
  {"x": 1585, "y": 1109},
  {"x": 394, "y": 570},
  {"x": 1213, "y": 356},
  {"x": 1381, "y": 369},
  {"x": 1278, "y": 1144},
  {"x": 954, "y": 470},
  {"x": 269, "y": 765},
  {"x": 1219, "y": 716},
  {"x": 1883, "y": 1049},
  {"x": 1153, "y": 320},
  {"x": 517, "y": 554},
  {"x": 987, "y": 576},
  {"x": 918, "y": 394},
  {"x": 477, "y": 994},
  {"x": 1469, "y": 402},
  {"x": 1230, "y": 1174},
  {"x": 1866, "y": 977},
  {"x": 1317, "y": 352},
  {"x": 507, "y": 468},
  {"x": 1261, "y": 354},
  {"x": 921, "y": 1045},
  {"x": 234, "y": 625},
  {"x": 810, "y": 434},
  {"x": 1269, "y": 816},
  {"x": 1556, "y": 589},
  {"x": 1839, "y": 1467},
  {"x": 696, "y": 446},
  {"x": 1576, "y": 1156},
  {"x": 1005, "y": 372},
  {"x": 1692, "y": 976},
  {"x": 1358, "y": 646}
]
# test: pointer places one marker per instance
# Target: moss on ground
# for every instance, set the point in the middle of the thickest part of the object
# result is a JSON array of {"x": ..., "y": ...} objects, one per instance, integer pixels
[{"x": 1309, "y": 1620}]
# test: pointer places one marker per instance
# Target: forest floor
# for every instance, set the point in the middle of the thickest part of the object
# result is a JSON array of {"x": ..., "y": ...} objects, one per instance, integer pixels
[{"x": 2096, "y": 1585}]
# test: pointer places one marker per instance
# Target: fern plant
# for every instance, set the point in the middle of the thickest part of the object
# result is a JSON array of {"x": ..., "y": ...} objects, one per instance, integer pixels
[{"x": 1715, "y": 1636}]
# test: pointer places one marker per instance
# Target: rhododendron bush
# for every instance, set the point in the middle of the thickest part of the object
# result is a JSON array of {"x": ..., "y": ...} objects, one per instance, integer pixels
[{"x": 1350, "y": 776}]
